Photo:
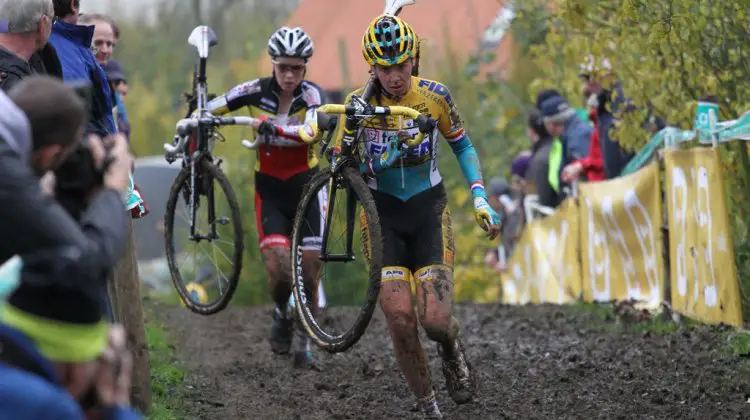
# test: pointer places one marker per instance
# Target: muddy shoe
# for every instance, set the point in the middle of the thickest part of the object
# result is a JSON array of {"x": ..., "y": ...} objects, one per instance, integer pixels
[
  {"x": 305, "y": 360},
  {"x": 281, "y": 332},
  {"x": 457, "y": 371},
  {"x": 428, "y": 408}
]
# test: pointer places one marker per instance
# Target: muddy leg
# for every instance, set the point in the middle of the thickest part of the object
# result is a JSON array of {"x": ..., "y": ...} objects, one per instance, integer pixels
[
  {"x": 435, "y": 307},
  {"x": 276, "y": 261},
  {"x": 396, "y": 303}
]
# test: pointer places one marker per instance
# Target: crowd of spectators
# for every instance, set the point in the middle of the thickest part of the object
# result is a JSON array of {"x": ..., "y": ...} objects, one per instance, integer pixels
[
  {"x": 65, "y": 173},
  {"x": 564, "y": 149}
]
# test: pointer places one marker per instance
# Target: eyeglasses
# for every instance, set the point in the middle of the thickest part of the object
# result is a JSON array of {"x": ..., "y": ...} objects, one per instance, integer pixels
[{"x": 289, "y": 68}]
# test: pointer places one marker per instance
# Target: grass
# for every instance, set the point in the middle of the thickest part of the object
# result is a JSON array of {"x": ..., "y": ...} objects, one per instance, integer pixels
[
  {"x": 166, "y": 375},
  {"x": 739, "y": 342},
  {"x": 601, "y": 316}
]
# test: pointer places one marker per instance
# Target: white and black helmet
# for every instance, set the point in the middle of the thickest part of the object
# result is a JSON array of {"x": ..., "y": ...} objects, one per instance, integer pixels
[{"x": 290, "y": 42}]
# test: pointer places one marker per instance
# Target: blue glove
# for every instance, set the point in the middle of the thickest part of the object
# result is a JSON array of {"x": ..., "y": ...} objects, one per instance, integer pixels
[{"x": 393, "y": 152}]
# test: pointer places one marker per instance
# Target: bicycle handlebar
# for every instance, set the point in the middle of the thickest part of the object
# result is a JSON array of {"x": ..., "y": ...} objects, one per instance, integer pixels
[
  {"x": 312, "y": 132},
  {"x": 186, "y": 125}
]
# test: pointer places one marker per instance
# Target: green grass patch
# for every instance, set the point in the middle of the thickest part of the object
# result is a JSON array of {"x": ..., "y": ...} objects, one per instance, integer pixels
[
  {"x": 739, "y": 342},
  {"x": 166, "y": 375},
  {"x": 602, "y": 317}
]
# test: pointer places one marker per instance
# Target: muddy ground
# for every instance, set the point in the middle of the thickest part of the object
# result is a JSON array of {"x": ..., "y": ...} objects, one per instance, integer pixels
[{"x": 535, "y": 362}]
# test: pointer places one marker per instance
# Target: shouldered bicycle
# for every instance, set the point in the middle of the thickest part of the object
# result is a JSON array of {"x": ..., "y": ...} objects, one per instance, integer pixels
[
  {"x": 343, "y": 177},
  {"x": 196, "y": 183}
]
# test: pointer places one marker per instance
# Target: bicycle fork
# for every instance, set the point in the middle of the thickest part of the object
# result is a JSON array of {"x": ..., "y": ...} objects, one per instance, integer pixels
[
  {"x": 351, "y": 208},
  {"x": 195, "y": 178}
]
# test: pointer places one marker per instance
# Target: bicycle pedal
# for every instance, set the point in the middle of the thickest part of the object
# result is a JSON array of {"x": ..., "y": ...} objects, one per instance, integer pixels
[{"x": 222, "y": 220}]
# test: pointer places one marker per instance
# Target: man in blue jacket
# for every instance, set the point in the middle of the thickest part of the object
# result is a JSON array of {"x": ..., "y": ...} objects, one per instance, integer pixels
[
  {"x": 73, "y": 45},
  {"x": 576, "y": 134},
  {"x": 58, "y": 358}
]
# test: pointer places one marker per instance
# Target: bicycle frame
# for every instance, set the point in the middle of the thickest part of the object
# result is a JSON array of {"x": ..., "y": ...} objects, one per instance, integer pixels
[
  {"x": 348, "y": 145},
  {"x": 357, "y": 107}
]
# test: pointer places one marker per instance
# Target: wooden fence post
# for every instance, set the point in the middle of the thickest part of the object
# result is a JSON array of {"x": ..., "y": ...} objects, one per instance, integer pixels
[{"x": 125, "y": 295}]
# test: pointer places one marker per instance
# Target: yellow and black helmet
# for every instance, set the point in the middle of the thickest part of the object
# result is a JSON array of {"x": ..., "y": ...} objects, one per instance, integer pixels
[{"x": 388, "y": 41}]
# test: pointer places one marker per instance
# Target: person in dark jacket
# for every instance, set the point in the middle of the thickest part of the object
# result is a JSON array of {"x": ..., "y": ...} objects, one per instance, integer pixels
[
  {"x": 29, "y": 218},
  {"x": 538, "y": 174},
  {"x": 73, "y": 45},
  {"x": 25, "y": 27},
  {"x": 58, "y": 358},
  {"x": 119, "y": 83},
  {"x": 576, "y": 133}
]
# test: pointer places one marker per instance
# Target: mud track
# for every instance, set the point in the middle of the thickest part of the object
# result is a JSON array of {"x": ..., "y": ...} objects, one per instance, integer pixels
[{"x": 535, "y": 362}]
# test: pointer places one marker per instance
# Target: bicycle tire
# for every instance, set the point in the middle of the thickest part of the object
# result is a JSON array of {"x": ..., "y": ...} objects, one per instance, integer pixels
[
  {"x": 328, "y": 342},
  {"x": 174, "y": 195}
]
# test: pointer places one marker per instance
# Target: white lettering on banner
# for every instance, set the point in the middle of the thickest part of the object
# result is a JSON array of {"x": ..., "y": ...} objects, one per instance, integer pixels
[
  {"x": 611, "y": 233},
  {"x": 704, "y": 222},
  {"x": 543, "y": 259},
  {"x": 647, "y": 242},
  {"x": 626, "y": 260},
  {"x": 598, "y": 240},
  {"x": 552, "y": 262},
  {"x": 679, "y": 183}
]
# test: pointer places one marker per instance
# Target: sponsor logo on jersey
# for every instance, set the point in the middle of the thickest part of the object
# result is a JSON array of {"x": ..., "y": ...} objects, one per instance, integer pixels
[{"x": 243, "y": 89}]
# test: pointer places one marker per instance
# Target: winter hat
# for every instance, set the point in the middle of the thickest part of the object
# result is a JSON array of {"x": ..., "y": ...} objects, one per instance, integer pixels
[
  {"x": 114, "y": 72},
  {"x": 59, "y": 314},
  {"x": 544, "y": 95},
  {"x": 498, "y": 187},
  {"x": 520, "y": 164},
  {"x": 556, "y": 109}
]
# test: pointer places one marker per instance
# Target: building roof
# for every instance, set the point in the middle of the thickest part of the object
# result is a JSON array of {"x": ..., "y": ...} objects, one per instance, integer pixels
[{"x": 333, "y": 24}]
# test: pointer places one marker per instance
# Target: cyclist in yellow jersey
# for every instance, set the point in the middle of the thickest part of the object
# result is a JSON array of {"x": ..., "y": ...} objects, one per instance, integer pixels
[{"x": 416, "y": 227}]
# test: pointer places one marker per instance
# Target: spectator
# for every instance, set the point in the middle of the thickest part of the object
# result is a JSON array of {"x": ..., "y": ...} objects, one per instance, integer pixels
[
  {"x": 538, "y": 175},
  {"x": 603, "y": 83},
  {"x": 31, "y": 220},
  {"x": 506, "y": 201},
  {"x": 73, "y": 44},
  {"x": 25, "y": 27},
  {"x": 576, "y": 133},
  {"x": 59, "y": 360},
  {"x": 518, "y": 168},
  {"x": 591, "y": 166},
  {"x": 555, "y": 111},
  {"x": 119, "y": 84},
  {"x": 103, "y": 43}
]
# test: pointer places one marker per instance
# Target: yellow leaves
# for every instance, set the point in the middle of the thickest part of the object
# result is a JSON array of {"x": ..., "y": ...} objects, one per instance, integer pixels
[
  {"x": 710, "y": 84},
  {"x": 461, "y": 195}
]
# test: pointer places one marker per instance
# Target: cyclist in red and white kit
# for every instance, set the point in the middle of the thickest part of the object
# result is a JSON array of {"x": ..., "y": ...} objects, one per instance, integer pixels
[{"x": 285, "y": 101}]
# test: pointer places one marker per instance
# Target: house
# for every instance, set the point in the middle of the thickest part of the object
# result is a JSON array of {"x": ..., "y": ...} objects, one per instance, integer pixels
[{"x": 447, "y": 28}]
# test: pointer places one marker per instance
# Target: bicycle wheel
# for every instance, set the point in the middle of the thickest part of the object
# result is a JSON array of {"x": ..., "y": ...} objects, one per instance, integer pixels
[
  {"x": 212, "y": 277},
  {"x": 350, "y": 190}
]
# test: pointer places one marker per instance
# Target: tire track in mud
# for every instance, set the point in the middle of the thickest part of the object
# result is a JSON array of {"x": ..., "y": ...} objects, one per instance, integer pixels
[{"x": 533, "y": 362}]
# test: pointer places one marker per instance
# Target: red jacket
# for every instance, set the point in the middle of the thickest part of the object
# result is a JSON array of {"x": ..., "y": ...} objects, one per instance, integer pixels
[{"x": 593, "y": 164}]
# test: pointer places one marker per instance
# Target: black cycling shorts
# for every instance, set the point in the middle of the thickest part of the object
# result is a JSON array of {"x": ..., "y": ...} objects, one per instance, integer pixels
[
  {"x": 417, "y": 233},
  {"x": 276, "y": 203}
]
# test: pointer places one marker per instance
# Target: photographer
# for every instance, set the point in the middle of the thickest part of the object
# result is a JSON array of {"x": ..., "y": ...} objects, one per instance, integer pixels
[
  {"x": 58, "y": 358},
  {"x": 30, "y": 219}
]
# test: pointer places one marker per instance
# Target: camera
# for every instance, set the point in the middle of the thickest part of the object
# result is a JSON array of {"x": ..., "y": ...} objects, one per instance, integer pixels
[{"x": 78, "y": 176}]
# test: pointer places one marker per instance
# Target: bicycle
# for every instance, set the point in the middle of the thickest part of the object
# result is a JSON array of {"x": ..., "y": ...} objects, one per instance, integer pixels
[
  {"x": 194, "y": 141},
  {"x": 344, "y": 174}
]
